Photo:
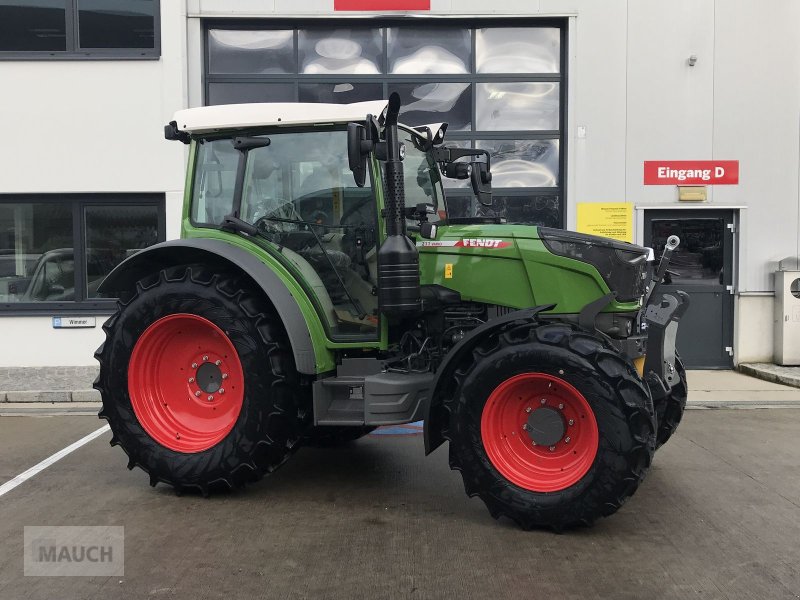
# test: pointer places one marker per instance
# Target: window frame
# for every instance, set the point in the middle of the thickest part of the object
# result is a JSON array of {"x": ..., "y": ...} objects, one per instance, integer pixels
[
  {"x": 78, "y": 203},
  {"x": 387, "y": 79},
  {"x": 75, "y": 52}
]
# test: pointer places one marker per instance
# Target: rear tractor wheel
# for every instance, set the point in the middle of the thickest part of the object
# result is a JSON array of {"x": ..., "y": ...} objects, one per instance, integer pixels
[
  {"x": 197, "y": 381},
  {"x": 550, "y": 426}
]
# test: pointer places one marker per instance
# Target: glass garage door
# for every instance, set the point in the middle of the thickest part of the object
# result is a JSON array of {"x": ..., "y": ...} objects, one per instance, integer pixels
[{"x": 500, "y": 86}]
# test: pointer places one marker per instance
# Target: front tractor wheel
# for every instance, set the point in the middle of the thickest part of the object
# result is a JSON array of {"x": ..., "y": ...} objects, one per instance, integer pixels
[
  {"x": 197, "y": 381},
  {"x": 550, "y": 427}
]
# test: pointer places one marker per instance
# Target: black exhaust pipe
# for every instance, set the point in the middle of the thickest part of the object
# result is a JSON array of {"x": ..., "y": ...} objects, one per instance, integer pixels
[{"x": 398, "y": 260}]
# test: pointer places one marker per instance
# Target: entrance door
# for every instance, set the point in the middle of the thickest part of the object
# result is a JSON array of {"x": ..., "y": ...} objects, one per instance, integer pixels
[{"x": 703, "y": 268}]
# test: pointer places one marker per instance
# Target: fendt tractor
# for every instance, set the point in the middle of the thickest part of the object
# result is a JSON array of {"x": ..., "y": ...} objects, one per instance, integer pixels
[{"x": 320, "y": 290}]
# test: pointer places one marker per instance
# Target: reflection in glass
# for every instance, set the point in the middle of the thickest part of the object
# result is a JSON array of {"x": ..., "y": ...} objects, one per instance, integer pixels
[
  {"x": 699, "y": 258},
  {"x": 340, "y": 51},
  {"x": 426, "y": 103},
  {"x": 517, "y": 106},
  {"x": 33, "y": 25},
  {"x": 517, "y": 50},
  {"x": 340, "y": 93},
  {"x": 243, "y": 93},
  {"x": 523, "y": 163},
  {"x": 428, "y": 50},
  {"x": 240, "y": 51},
  {"x": 113, "y": 233},
  {"x": 540, "y": 210},
  {"x": 215, "y": 177},
  {"x": 116, "y": 23},
  {"x": 36, "y": 259}
]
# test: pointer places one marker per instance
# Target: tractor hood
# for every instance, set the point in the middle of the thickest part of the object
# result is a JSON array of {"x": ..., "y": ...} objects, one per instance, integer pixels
[{"x": 502, "y": 263}]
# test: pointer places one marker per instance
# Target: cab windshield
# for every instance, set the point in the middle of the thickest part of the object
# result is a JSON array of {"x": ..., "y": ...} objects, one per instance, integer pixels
[{"x": 423, "y": 180}]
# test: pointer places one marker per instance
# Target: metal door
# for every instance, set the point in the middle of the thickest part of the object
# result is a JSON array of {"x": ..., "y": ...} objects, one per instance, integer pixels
[{"x": 703, "y": 268}]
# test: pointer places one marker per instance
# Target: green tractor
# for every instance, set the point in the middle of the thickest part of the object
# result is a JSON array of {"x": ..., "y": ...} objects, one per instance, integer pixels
[{"x": 320, "y": 290}]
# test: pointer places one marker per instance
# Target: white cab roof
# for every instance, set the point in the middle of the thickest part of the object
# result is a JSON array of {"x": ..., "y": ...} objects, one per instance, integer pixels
[{"x": 235, "y": 116}]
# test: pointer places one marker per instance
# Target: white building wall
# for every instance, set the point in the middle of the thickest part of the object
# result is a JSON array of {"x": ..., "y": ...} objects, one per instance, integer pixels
[
  {"x": 630, "y": 89},
  {"x": 92, "y": 126}
]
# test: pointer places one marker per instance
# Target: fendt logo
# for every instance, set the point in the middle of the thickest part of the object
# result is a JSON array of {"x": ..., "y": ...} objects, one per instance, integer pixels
[
  {"x": 465, "y": 243},
  {"x": 482, "y": 243}
]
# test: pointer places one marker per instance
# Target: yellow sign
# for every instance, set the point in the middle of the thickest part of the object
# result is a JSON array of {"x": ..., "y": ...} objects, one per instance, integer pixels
[
  {"x": 608, "y": 219},
  {"x": 448, "y": 270}
]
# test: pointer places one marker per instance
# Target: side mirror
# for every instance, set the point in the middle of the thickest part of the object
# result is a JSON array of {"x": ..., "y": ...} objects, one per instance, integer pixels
[
  {"x": 356, "y": 156},
  {"x": 482, "y": 182}
]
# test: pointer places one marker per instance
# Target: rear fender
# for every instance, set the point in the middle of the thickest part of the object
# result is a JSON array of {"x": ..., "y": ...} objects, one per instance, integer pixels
[
  {"x": 219, "y": 254},
  {"x": 435, "y": 413}
]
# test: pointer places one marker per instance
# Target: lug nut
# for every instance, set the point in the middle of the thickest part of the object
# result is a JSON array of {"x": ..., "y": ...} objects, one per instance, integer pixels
[
  {"x": 571, "y": 421},
  {"x": 191, "y": 379},
  {"x": 197, "y": 393},
  {"x": 224, "y": 375},
  {"x": 528, "y": 409},
  {"x": 552, "y": 448},
  {"x": 544, "y": 400},
  {"x": 218, "y": 362},
  {"x": 567, "y": 440},
  {"x": 561, "y": 371},
  {"x": 210, "y": 398},
  {"x": 533, "y": 443},
  {"x": 205, "y": 358},
  {"x": 221, "y": 390},
  {"x": 525, "y": 426},
  {"x": 560, "y": 406},
  {"x": 194, "y": 365},
  {"x": 177, "y": 436}
]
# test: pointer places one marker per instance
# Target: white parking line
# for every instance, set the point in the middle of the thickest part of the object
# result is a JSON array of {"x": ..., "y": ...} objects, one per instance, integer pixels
[{"x": 23, "y": 477}]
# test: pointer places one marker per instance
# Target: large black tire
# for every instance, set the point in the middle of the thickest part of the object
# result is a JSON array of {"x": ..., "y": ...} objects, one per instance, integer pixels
[
  {"x": 669, "y": 410},
  {"x": 267, "y": 429},
  {"x": 615, "y": 393},
  {"x": 331, "y": 436}
]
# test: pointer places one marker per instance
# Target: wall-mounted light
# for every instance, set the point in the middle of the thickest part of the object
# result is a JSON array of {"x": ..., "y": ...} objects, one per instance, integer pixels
[{"x": 692, "y": 60}]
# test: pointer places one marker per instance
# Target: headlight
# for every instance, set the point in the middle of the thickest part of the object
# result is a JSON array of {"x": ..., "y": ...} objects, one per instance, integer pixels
[{"x": 622, "y": 266}]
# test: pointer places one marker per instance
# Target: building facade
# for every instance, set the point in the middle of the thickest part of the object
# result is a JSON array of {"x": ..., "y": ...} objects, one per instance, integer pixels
[{"x": 571, "y": 98}]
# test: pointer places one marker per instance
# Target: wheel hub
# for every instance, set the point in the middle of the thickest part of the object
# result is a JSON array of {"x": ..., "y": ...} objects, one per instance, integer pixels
[
  {"x": 209, "y": 377},
  {"x": 546, "y": 426}
]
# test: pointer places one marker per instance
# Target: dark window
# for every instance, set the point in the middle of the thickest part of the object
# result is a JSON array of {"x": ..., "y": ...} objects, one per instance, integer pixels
[
  {"x": 55, "y": 251},
  {"x": 79, "y": 29},
  {"x": 500, "y": 85},
  {"x": 113, "y": 233},
  {"x": 33, "y": 25},
  {"x": 116, "y": 23}
]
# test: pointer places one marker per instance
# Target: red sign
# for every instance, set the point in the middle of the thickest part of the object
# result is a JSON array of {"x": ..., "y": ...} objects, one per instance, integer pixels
[
  {"x": 381, "y": 5},
  {"x": 691, "y": 172}
]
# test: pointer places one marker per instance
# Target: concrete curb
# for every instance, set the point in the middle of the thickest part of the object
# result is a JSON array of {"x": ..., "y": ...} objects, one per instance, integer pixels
[
  {"x": 774, "y": 373},
  {"x": 47, "y": 409},
  {"x": 50, "y": 396}
]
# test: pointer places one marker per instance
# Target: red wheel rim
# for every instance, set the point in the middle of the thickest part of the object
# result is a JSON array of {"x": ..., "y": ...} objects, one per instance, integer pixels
[
  {"x": 510, "y": 444},
  {"x": 186, "y": 383}
]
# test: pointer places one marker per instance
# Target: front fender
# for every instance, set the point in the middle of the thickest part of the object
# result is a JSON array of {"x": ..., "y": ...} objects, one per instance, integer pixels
[
  {"x": 435, "y": 419},
  {"x": 223, "y": 255}
]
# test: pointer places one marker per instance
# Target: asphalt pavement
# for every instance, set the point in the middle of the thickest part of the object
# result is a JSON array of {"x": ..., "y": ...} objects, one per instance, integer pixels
[{"x": 717, "y": 517}]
